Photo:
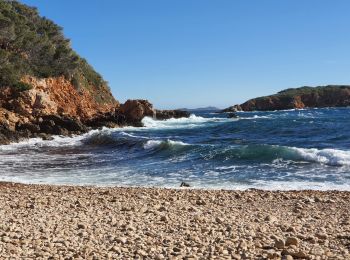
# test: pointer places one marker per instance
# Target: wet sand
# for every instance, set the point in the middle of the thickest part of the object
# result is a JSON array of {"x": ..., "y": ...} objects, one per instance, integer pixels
[{"x": 63, "y": 222}]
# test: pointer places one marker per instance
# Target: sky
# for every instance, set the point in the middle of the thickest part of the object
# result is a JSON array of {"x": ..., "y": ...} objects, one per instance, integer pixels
[{"x": 195, "y": 53}]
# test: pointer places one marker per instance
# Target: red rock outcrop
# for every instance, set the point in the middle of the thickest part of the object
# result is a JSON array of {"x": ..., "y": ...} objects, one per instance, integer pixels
[
  {"x": 305, "y": 97},
  {"x": 57, "y": 100},
  {"x": 59, "y": 96},
  {"x": 51, "y": 96},
  {"x": 136, "y": 110}
]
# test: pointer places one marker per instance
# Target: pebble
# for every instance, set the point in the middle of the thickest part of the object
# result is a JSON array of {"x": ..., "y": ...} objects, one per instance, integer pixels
[
  {"x": 292, "y": 241},
  {"x": 164, "y": 218},
  {"x": 121, "y": 240},
  {"x": 279, "y": 243},
  {"x": 6, "y": 239},
  {"x": 219, "y": 220},
  {"x": 322, "y": 236},
  {"x": 134, "y": 223},
  {"x": 270, "y": 218},
  {"x": 81, "y": 226}
]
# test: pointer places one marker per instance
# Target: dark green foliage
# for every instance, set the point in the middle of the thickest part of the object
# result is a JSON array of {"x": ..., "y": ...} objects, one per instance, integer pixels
[
  {"x": 321, "y": 90},
  {"x": 21, "y": 86},
  {"x": 34, "y": 45},
  {"x": 290, "y": 93}
]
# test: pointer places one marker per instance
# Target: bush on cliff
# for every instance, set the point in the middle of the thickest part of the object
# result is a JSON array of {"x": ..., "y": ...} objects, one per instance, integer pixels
[{"x": 34, "y": 45}]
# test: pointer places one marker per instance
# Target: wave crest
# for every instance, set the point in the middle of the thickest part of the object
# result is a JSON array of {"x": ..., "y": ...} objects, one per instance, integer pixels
[
  {"x": 183, "y": 122},
  {"x": 152, "y": 144},
  {"x": 331, "y": 157},
  {"x": 275, "y": 154}
]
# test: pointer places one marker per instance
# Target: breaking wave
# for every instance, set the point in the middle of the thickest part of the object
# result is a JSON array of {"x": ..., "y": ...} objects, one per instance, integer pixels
[
  {"x": 331, "y": 157},
  {"x": 167, "y": 144},
  {"x": 190, "y": 122},
  {"x": 274, "y": 150},
  {"x": 259, "y": 153}
]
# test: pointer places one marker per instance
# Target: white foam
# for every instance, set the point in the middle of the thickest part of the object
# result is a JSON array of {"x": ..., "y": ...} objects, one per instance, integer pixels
[
  {"x": 148, "y": 122},
  {"x": 150, "y": 144},
  {"x": 288, "y": 110},
  {"x": 332, "y": 157},
  {"x": 133, "y": 136},
  {"x": 254, "y": 117},
  {"x": 38, "y": 142},
  {"x": 56, "y": 141},
  {"x": 271, "y": 185},
  {"x": 184, "y": 122}
]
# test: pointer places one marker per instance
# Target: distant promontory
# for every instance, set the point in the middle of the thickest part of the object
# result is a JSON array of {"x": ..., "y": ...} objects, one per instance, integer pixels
[{"x": 298, "y": 98}]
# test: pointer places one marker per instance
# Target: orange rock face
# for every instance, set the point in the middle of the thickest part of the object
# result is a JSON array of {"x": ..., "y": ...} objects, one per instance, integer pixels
[
  {"x": 10, "y": 119},
  {"x": 58, "y": 96},
  {"x": 49, "y": 97},
  {"x": 53, "y": 106}
]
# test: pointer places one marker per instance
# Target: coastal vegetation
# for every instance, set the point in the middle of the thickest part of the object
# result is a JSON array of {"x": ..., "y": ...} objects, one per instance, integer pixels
[
  {"x": 306, "y": 90},
  {"x": 34, "y": 45}
]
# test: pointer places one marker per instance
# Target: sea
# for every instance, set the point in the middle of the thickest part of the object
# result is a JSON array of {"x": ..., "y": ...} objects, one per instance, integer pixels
[{"x": 277, "y": 150}]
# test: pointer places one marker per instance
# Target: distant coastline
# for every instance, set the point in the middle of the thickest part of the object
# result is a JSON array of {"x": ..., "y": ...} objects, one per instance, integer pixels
[{"x": 199, "y": 109}]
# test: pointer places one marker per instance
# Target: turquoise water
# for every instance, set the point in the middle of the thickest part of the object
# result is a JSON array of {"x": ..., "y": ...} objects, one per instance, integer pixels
[{"x": 295, "y": 149}]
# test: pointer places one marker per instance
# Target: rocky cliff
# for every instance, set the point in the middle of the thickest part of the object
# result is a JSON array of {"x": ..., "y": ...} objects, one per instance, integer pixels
[
  {"x": 297, "y": 98},
  {"x": 57, "y": 95},
  {"x": 48, "y": 89}
]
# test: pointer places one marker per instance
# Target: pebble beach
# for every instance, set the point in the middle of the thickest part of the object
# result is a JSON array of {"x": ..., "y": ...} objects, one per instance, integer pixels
[{"x": 73, "y": 222}]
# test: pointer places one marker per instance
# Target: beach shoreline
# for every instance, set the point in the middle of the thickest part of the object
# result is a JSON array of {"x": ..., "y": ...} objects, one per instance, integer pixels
[{"x": 87, "y": 222}]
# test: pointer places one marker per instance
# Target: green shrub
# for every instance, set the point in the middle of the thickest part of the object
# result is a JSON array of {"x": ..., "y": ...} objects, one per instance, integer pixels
[
  {"x": 21, "y": 86},
  {"x": 34, "y": 45}
]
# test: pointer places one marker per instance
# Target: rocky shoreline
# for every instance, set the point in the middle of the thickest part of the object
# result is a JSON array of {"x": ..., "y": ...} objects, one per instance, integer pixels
[
  {"x": 15, "y": 127},
  {"x": 54, "y": 222}
]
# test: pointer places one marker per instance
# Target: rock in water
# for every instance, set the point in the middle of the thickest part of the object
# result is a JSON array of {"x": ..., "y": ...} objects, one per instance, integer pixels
[
  {"x": 184, "y": 184},
  {"x": 135, "y": 110},
  {"x": 166, "y": 114},
  {"x": 232, "y": 115}
]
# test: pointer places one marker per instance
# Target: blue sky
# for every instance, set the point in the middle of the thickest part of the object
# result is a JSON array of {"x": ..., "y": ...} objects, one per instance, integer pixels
[{"x": 192, "y": 53}]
